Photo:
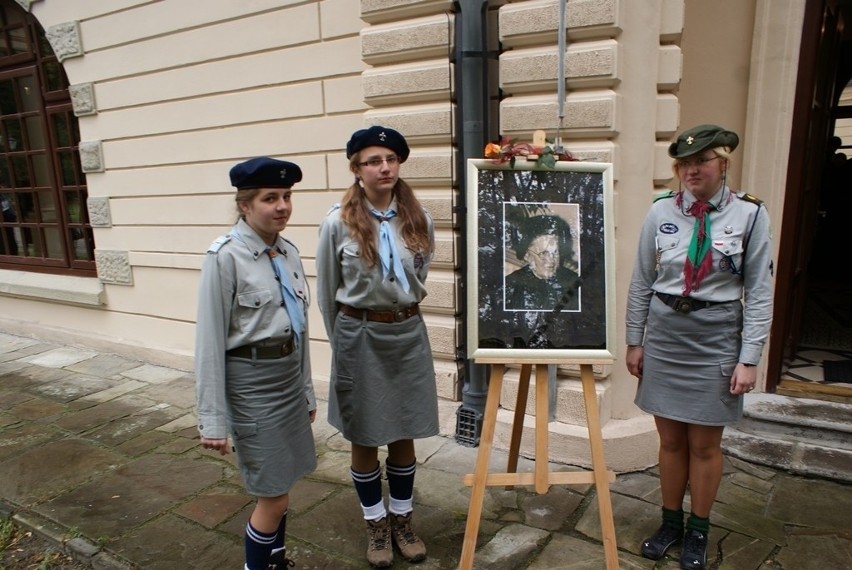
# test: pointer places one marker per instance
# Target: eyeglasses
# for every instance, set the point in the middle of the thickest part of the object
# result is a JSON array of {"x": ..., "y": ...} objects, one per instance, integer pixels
[
  {"x": 545, "y": 254},
  {"x": 699, "y": 162},
  {"x": 376, "y": 162}
]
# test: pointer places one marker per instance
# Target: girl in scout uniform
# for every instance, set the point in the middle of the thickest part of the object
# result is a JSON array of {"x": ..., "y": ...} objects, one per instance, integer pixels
[
  {"x": 253, "y": 374},
  {"x": 698, "y": 314},
  {"x": 373, "y": 256}
]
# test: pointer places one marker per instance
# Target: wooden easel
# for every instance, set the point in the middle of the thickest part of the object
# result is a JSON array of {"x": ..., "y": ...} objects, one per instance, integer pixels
[{"x": 540, "y": 478}]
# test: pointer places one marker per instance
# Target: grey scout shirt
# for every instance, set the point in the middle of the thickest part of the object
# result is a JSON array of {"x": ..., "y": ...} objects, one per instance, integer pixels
[
  {"x": 240, "y": 303},
  {"x": 342, "y": 277},
  {"x": 742, "y": 263}
]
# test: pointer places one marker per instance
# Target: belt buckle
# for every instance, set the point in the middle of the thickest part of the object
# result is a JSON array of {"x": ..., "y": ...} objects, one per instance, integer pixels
[
  {"x": 682, "y": 306},
  {"x": 399, "y": 315}
]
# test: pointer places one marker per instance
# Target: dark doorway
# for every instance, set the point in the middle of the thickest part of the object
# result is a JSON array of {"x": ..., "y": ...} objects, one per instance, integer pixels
[{"x": 812, "y": 330}]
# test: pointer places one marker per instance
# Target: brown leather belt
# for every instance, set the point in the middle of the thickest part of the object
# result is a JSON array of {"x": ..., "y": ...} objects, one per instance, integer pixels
[
  {"x": 381, "y": 316},
  {"x": 685, "y": 304},
  {"x": 261, "y": 351}
]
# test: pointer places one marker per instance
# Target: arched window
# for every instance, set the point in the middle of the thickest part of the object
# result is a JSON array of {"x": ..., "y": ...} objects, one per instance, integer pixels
[{"x": 45, "y": 222}]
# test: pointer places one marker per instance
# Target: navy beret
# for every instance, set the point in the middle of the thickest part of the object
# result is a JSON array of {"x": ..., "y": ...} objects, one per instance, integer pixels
[
  {"x": 265, "y": 172},
  {"x": 702, "y": 137},
  {"x": 378, "y": 136}
]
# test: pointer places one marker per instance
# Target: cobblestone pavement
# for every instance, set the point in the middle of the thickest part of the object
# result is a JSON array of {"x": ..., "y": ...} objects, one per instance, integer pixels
[{"x": 100, "y": 453}]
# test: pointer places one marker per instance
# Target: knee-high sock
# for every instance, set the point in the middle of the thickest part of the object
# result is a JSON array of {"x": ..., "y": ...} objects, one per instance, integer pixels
[
  {"x": 369, "y": 489},
  {"x": 401, "y": 484},
  {"x": 282, "y": 531},
  {"x": 258, "y": 547}
]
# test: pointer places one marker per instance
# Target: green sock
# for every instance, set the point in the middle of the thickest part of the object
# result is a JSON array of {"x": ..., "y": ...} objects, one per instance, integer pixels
[
  {"x": 673, "y": 518},
  {"x": 695, "y": 522}
]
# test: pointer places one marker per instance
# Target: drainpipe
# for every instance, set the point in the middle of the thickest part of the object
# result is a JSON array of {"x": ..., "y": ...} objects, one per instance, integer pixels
[{"x": 472, "y": 122}]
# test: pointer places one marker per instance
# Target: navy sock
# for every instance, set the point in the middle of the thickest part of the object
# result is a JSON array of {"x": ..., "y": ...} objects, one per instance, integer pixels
[
  {"x": 258, "y": 547},
  {"x": 401, "y": 480},
  {"x": 368, "y": 486},
  {"x": 282, "y": 530}
]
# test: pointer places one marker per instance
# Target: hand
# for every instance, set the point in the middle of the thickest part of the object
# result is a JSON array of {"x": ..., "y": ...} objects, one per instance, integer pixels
[
  {"x": 313, "y": 415},
  {"x": 220, "y": 445},
  {"x": 744, "y": 379},
  {"x": 635, "y": 361}
]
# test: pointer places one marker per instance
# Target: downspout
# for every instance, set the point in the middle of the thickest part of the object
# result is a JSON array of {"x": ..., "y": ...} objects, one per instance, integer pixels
[{"x": 472, "y": 122}]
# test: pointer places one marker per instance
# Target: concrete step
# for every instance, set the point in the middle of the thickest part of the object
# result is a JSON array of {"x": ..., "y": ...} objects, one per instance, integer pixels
[{"x": 801, "y": 435}]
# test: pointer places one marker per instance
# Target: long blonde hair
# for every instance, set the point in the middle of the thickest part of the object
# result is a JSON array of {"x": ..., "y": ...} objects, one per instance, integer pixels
[{"x": 355, "y": 213}]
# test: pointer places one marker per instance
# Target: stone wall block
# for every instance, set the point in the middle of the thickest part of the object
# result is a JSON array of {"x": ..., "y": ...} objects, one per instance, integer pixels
[
  {"x": 441, "y": 208},
  {"x": 442, "y": 295},
  {"x": 671, "y": 20},
  {"x": 668, "y": 115},
  {"x": 378, "y": 11},
  {"x": 91, "y": 156},
  {"x": 65, "y": 40},
  {"x": 114, "y": 267},
  {"x": 83, "y": 99},
  {"x": 587, "y": 65},
  {"x": 662, "y": 163},
  {"x": 423, "y": 38},
  {"x": 537, "y": 21},
  {"x": 442, "y": 340},
  {"x": 406, "y": 84},
  {"x": 428, "y": 169},
  {"x": 669, "y": 67},
  {"x": 425, "y": 124},
  {"x": 99, "y": 216},
  {"x": 587, "y": 114}
]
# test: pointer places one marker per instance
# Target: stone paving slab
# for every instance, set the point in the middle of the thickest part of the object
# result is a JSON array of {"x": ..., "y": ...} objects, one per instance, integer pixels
[{"x": 120, "y": 468}]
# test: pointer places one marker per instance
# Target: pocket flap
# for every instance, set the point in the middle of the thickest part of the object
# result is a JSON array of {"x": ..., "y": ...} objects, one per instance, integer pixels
[
  {"x": 254, "y": 298},
  {"x": 243, "y": 430}
]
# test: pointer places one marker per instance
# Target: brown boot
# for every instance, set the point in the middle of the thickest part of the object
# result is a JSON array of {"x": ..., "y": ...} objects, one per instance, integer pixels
[
  {"x": 379, "y": 548},
  {"x": 408, "y": 543}
]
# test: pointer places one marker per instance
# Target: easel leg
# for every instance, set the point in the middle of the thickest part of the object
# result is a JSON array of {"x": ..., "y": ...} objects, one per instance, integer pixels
[
  {"x": 542, "y": 410},
  {"x": 477, "y": 493},
  {"x": 518, "y": 420},
  {"x": 599, "y": 466}
]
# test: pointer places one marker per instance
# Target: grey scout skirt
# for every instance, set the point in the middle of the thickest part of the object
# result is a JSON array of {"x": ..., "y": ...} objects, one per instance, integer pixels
[
  {"x": 382, "y": 381},
  {"x": 689, "y": 360},
  {"x": 270, "y": 425}
]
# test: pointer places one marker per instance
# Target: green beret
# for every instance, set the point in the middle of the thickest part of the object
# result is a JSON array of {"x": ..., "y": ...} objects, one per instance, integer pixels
[{"x": 701, "y": 138}]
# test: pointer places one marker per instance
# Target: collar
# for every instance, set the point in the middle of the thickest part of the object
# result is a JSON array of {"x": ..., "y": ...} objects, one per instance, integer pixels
[
  {"x": 256, "y": 246},
  {"x": 719, "y": 200}
]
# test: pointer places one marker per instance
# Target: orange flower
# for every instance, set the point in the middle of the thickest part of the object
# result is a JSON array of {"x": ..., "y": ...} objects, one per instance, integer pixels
[{"x": 492, "y": 150}]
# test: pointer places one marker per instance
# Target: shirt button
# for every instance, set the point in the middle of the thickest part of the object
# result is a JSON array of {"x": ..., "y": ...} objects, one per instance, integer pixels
[
  {"x": 257, "y": 303},
  {"x": 392, "y": 279}
]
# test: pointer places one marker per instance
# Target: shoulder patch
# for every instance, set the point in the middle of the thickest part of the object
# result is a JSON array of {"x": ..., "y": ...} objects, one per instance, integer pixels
[
  {"x": 668, "y": 194},
  {"x": 749, "y": 198},
  {"x": 333, "y": 208},
  {"x": 217, "y": 245}
]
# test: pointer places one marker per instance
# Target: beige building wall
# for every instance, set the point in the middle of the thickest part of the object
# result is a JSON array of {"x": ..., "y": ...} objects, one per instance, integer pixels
[{"x": 171, "y": 94}]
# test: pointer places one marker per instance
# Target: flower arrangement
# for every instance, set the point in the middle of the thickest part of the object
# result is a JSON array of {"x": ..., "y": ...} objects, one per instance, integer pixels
[{"x": 507, "y": 151}]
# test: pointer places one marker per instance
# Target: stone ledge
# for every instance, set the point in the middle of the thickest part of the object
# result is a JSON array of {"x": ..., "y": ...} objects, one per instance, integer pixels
[
  {"x": 48, "y": 287},
  {"x": 410, "y": 40}
]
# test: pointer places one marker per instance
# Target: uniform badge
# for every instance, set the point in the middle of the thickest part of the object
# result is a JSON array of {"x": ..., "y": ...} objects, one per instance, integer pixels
[
  {"x": 418, "y": 260},
  {"x": 668, "y": 228},
  {"x": 729, "y": 230},
  {"x": 725, "y": 264}
]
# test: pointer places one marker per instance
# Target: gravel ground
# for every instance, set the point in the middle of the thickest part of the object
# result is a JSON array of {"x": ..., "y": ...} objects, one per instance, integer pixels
[{"x": 25, "y": 550}]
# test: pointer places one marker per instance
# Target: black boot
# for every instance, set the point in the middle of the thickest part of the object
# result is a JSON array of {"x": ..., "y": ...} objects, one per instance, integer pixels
[
  {"x": 279, "y": 561},
  {"x": 693, "y": 556},
  {"x": 667, "y": 535}
]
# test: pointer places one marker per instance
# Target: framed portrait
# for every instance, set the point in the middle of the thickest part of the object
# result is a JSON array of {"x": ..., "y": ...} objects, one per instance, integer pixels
[{"x": 540, "y": 267}]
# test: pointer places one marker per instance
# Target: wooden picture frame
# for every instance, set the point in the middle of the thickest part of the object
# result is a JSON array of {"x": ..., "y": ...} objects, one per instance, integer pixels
[{"x": 540, "y": 265}]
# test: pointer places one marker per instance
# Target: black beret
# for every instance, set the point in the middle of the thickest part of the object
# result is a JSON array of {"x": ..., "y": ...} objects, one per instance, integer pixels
[
  {"x": 378, "y": 136},
  {"x": 544, "y": 225},
  {"x": 700, "y": 138},
  {"x": 265, "y": 172}
]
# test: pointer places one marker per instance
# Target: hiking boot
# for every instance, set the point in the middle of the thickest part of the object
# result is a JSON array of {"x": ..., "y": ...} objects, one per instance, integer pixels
[
  {"x": 693, "y": 556},
  {"x": 379, "y": 549},
  {"x": 656, "y": 545},
  {"x": 279, "y": 561},
  {"x": 408, "y": 543}
]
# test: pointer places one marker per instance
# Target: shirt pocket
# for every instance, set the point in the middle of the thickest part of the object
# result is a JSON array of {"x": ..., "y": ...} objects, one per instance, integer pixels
[
  {"x": 667, "y": 247},
  {"x": 253, "y": 308},
  {"x": 729, "y": 251}
]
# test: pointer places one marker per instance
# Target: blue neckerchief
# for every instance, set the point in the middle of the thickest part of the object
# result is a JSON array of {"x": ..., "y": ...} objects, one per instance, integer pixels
[
  {"x": 388, "y": 253},
  {"x": 294, "y": 309}
]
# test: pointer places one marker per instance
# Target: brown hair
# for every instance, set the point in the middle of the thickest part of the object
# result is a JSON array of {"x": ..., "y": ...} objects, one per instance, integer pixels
[
  {"x": 355, "y": 213},
  {"x": 244, "y": 196}
]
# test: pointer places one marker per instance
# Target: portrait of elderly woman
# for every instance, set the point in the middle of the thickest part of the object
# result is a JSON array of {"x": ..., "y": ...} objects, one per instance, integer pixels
[{"x": 547, "y": 280}]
